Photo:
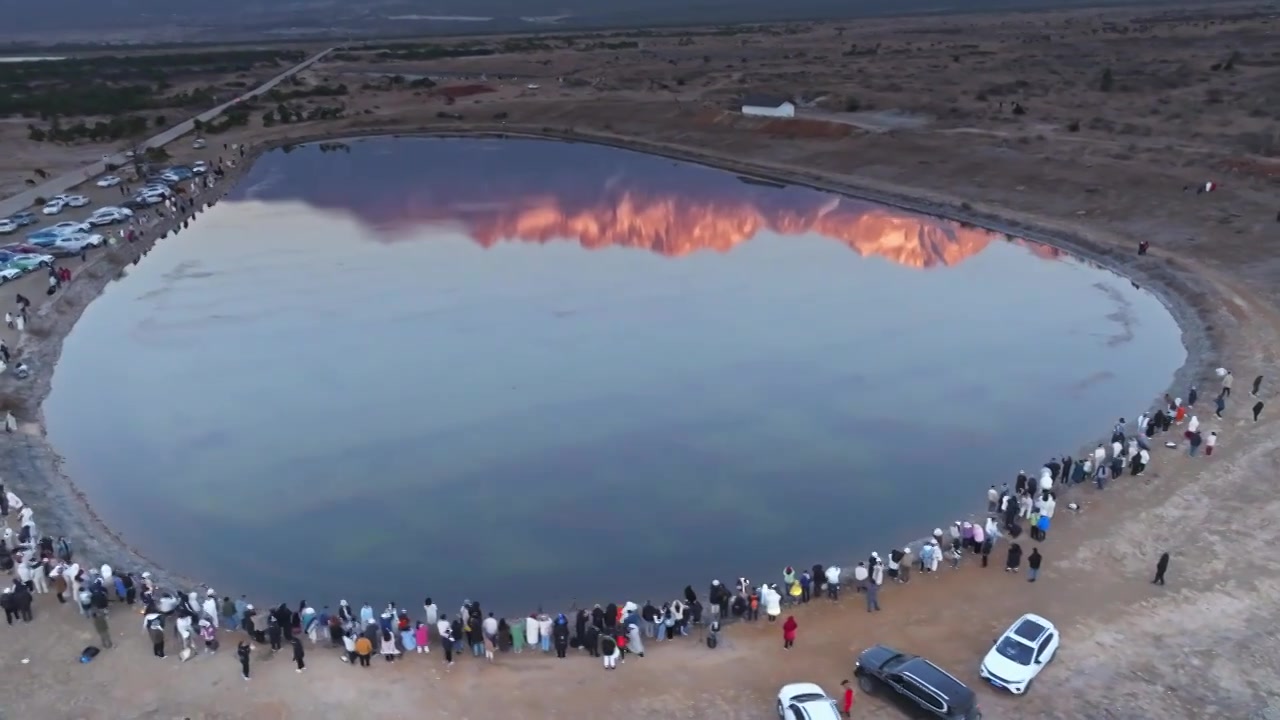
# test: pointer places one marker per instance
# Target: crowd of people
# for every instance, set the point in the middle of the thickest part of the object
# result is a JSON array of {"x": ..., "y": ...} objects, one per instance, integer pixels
[{"x": 197, "y": 620}]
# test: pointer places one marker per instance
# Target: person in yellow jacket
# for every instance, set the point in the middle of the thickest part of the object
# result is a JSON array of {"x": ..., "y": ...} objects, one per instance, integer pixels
[{"x": 364, "y": 650}]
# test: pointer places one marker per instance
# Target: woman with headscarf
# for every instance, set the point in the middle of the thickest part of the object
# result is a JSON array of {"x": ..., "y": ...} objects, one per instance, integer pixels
[
  {"x": 544, "y": 631},
  {"x": 517, "y": 635},
  {"x": 560, "y": 635},
  {"x": 772, "y": 602},
  {"x": 388, "y": 646},
  {"x": 635, "y": 643},
  {"x": 1013, "y": 561},
  {"x": 789, "y": 632}
]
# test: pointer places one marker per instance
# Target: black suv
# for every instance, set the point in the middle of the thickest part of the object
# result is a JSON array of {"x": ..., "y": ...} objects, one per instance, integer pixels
[{"x": 925, "y": 689}]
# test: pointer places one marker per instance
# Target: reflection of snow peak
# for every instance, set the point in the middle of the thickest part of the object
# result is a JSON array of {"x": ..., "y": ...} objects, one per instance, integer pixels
[
  {"x": 676, "y": 223},
  {"x": 677, "y": 226}
]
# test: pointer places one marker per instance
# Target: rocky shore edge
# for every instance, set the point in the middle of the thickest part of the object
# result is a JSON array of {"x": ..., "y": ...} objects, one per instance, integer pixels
[{"x": 33, "y": 469}]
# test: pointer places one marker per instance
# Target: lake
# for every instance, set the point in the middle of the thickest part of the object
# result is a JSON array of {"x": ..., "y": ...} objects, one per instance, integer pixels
[{"x": 531, "y": 372}]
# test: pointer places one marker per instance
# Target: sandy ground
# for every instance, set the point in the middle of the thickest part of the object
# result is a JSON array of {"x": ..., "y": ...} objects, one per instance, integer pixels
[{"x": 1203, "y": 646}]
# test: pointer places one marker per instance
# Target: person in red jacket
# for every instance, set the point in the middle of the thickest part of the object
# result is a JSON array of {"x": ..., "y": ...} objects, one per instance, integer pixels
[
  {"x": 789, "y": 632},
  {"x": 847, "y": 706}
]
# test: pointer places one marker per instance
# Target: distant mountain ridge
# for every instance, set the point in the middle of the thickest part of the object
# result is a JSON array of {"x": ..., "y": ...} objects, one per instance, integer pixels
[{"x": 140, "y": 20}]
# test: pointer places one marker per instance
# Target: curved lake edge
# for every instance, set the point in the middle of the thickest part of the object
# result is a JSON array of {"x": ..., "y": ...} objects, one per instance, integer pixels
[{"x": 34, "y": 470}]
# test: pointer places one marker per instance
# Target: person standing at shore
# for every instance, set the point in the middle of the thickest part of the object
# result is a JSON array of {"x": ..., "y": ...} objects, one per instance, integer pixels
[
  {"x": 1257, "y": 386},
  {"x": 873, "y": 597},
  {"x": 1033, "y": 564},
  {"x": 1013, "y": 560},
  {"x": 1210, "y": 443},
  {"x": 789, "y": 632},
  {"x": 153, "y": 623},
  {"x": 299, "y": 654},
  {"x": 444, "y": 631},
  {"x": 242, "y": 653},
  {"x": 1257, "y": 410},
  {"x": 1227, "y": 381},
  {"x": 100, "y": 626}
]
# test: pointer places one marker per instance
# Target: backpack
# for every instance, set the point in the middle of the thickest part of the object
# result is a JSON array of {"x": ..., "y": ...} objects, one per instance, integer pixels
[{"x": 88, "y": 654}]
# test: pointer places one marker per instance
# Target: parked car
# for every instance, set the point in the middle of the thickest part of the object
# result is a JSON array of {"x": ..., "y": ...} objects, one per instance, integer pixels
[
  {"x": 69, "y": 226},
  {"x": 1018, "y": 656},
  {"x": 77, "y": 201},
  {"x": 22, "y": 249},
  {"x": 10, "y": 273},
  {"x": 24, "y": 218},
  {"x": 198, "y": 144},
  {"x": 806, "y": 701},
  {"x": 162, "y": 190},
  {"x": 53, "y": 207},
  {"x": 8, "y": 226},
  {"x": 29, "y": 262},
  {"x": 107, "y": 181},
  {"x": 145, "y": 199},
  {"x": 917, "y": 683},
  {"x": 200, "y": 167},
  {"x": 109, "y": 216},
  {"x": 75, "y": 244}
]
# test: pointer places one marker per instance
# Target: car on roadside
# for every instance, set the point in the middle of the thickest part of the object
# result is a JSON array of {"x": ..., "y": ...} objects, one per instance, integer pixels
[
  {"x": 24, "y": 218},
  {"x": 199, "y": 167},
  {"x": 198, "y": 144},
  {"x": 8, "y": 226},
  {"x": 53, "y": 207},
  {"x": 69, "y": 226},
  {"x": 109, "y": 216},
  {"x": 1018, "y": 656},
  {"x": 77, "y": 200},
  {"x": 921, "y": 687},
  {"x": 76, "y": 244},
  {"x": 806, "y": 701},
  {"x": 107, "y": 181},
  {"x": 9, "y": 273},
  {"x": 145, "y": 199},
  {"x": 21, "y": 249},
  {"x": 26, "y": 263}
]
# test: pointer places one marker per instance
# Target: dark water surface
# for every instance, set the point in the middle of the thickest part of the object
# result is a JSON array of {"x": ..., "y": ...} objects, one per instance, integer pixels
[{"x": 531, "y": 372}]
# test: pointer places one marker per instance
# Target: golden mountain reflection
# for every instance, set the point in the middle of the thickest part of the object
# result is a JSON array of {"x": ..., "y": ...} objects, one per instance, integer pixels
[
  {"x": 675, "y": 225},
  {"x": 542, "y": 192}
]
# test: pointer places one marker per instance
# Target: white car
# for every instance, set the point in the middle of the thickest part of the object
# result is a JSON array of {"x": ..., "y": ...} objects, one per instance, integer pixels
[
  {"x": 69, "y": 227},
  {"x": 10, "y": 273},
  {"x": 806, "y": 701},
  {"x": 53, "y": 207},
  {"x": 200, "y": 167},
  {"x": 77, "y": 201},
  {"x": 7, "y": 226},
  {"x": 110, "y": 216},
  {"x": 161, "y": 190},
  {"x": 72, "y": 244},
  {"x": 149, "y": 198},
  {"x": 1020, "y": 654},
  {"x": 198, "y": 144},
  {"x": 108, "y": 181}
]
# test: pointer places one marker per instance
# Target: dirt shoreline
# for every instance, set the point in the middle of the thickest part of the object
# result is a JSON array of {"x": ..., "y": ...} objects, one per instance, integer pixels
[{"x": 36, "y": 469}]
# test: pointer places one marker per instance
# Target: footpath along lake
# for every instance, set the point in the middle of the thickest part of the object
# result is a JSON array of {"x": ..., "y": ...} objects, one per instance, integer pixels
[{"x": 530, "y": 372}]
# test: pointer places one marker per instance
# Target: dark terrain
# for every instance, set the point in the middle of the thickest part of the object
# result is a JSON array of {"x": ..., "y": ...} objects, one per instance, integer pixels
[{"x": 90, "y": 22}]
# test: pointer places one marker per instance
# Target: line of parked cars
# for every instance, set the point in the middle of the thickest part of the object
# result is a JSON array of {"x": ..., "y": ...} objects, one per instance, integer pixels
[
  {"x": 72, "y": 237},
  {"x": 922, "y": 689}
]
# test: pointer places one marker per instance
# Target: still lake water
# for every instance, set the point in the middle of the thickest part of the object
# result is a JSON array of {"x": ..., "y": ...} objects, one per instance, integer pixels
[{"x": 532, "y": 372}]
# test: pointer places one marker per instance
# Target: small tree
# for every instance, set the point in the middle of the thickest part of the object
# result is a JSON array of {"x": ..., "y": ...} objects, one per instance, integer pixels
[{"x": 1107, "y": 81}]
